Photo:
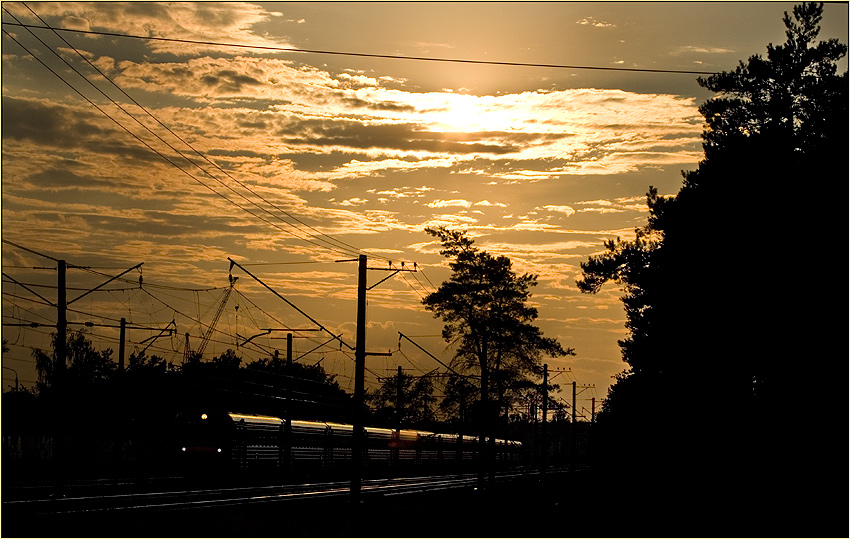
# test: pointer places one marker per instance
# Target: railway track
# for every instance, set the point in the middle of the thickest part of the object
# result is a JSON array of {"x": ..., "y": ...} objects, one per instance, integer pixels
[{"x": 89, "y": 500}]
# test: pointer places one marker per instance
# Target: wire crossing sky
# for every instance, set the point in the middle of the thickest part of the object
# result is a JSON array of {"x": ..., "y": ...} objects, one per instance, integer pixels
[
  {"x": 368, "y": 55},
  {"x": 536, "y": 127}
]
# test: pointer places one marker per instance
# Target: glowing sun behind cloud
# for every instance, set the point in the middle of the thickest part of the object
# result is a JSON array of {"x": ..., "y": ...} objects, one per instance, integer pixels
[{"x": 461, "y": 114}]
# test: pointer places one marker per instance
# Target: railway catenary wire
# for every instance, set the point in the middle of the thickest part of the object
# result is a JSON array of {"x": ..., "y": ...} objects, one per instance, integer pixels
[
  {"x": 406, "y": 281},
  {"x": 120, "y": 125},
  {"x": 412, "y": 287},
  {"x": 198, "y": 321},
  {"x": 195, "y": 150},
  {"x": 108, "y": 338},
  {"x": 346, "y": 250},
  {"x": 69, "y": 288},
  {"x": 347, "y": 353},
  {"x": 422, "y": 271},
  {"x": 217, "y": 330},
  {"x": 56, "y": 31},
  {"x": 15, "y": 306},
  {"x": 161, "y": 139},
  {"x": 116, "y": 320},
  {"x": 425, "y": 288},
  {"x": 369, "y": 55},
  {"x": 149, "y": 314},
  {"x": 294, "y": 394},
  {"x": 160, "y": 154},
  {"x": 170, "y": 307},
  {"x": 327, "y": 401}
]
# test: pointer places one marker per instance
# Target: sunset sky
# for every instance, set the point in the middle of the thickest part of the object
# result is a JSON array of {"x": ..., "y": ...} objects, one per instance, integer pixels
[{"x": 308, "y": 158}]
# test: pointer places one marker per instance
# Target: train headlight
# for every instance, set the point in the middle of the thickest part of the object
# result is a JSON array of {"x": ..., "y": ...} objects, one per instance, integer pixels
[
  {"x": 183, "y": 449},
  {"x": 203, "y": 416},
  {"x": 218, "y": 450}
]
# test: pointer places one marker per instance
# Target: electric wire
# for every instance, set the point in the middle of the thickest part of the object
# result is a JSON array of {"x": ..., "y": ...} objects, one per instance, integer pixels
[
  {"x": 170, "y": 146},
  {"x": 77, "y": 288},
  {"x": 27, "y": 249},
  {"x": 343, "y": 245},
  {"x": 412, "y": 287},
  {"x": 415, "y": 278},
  {"x": 368, "y": 55},
  {"x": 148, "y": 146}
]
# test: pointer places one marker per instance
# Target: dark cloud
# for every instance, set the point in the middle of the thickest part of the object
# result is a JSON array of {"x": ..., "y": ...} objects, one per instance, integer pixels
[
  {"x": 388, "y": 106},
  {"x": 255, "y": 124},
  {"x": 159, "y": 224},
  {"x": 65, "y": 128},
  {"x": 235, "y": 153},
  {"x": 57, "y": 178},
  {"x": 406, "y": 137},
  {"x": 38, "y": 122},
  {"x": 228, "y": 81}
]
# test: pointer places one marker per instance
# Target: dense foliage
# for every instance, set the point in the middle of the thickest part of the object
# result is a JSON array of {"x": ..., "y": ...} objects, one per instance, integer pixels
[
  {"x": 728, "y": 289},
  {"x": 152, "y": 391},
  {"x": 404, "y": 400}
]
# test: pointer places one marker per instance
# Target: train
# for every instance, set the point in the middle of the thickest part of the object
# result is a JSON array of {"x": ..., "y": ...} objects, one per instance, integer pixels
[{"x": 242, "y": 442}]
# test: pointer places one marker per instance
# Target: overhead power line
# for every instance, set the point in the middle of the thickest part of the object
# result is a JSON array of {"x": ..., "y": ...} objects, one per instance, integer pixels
[
  {"x": 339, "y": 246},
  {"x": 369, "y": 55}
]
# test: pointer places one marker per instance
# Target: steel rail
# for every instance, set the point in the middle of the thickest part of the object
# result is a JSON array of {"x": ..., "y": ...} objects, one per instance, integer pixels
[{"x": 177, "y": 500}]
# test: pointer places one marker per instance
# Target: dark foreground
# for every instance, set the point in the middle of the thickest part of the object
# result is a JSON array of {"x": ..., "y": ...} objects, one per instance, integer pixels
[
  {"x": 561, "y": 504},
  {"x": 527, "y": 506}
]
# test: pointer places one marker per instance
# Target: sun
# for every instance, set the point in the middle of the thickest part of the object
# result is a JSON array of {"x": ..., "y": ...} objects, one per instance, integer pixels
[{"x": 462, "y": 114}]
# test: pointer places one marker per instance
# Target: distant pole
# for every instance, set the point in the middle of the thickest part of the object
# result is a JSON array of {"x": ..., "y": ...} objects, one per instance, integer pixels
[
  {"x": 287, "y": 425},
  {"x": 543, "y": 434},
  {"x": 121, "y": 338},
  {"x": 593, "y": 409},
  {"x": 573, "y": 432},
  {"x": 398, "y": 399},
  {"x": 61, "y": 326},
  {"x": 574, "y": 402},
  {"x": 359, "y": 380},
  {"x": 60, "y": 351}
]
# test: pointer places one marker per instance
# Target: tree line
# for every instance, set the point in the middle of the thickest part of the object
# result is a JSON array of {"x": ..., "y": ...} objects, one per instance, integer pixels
[{"x": 735, "y": 387}]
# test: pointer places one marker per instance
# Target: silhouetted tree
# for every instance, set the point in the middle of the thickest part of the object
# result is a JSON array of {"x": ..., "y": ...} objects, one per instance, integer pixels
[
  {"x": 415, "y": 406},
  {"x": 228, "y": 361},
  {"x": 85, "y": 365},
  {"x": 484, "y": 306},
  {"x": 721, "y": 317},
  {"x": 459, "y": 396},
  {"x": 310, "y": 373},
  {"x": 314, "y": 393},
  {"x": 143, "y": 363}
]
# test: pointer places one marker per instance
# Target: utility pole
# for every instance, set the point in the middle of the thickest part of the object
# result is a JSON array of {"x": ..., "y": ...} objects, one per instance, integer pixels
[
  {"x": 543, "y": 434},
  {"x": 398, "y": 397},
  {"x": 287, "y": 426},
  {"x": 121, "y": 338},
  {"x": 59, "y": 367},
  {"x": 574, "y": 402},
  {"x": 62, "y": 320},
  {"x": 60, "y": 351},
  {"x": 359, "y": 380},
  {"x": 358, "y": 447},
  {"x": 573, "y": 433},
  {"x": 61, "y": 326}
]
